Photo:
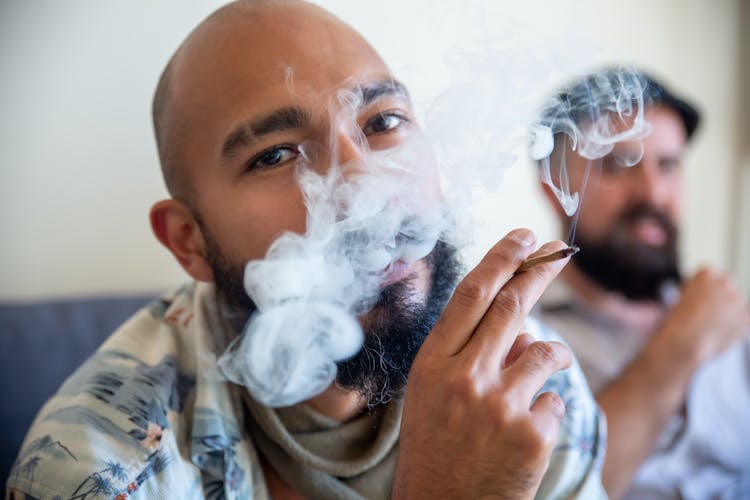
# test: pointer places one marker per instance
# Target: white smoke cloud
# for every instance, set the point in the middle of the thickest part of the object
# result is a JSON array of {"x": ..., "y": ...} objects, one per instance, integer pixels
[
  {"x": 365, "y": 221},
  {"x": 596, "y": 112},
  {"x": 377, "y": 215}
]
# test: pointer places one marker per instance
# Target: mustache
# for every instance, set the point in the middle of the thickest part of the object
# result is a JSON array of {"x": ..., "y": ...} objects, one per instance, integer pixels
[{"x": 641, "y": 211}]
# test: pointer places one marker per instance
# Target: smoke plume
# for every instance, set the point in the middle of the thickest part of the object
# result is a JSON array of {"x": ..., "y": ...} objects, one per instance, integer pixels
[{"x": 371, "y": 217}]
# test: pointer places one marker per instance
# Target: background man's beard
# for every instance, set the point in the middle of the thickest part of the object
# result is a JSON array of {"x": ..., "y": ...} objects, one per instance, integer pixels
[
  {"x": 395, "y": 327},
  {"x": 636, "y": 270}
]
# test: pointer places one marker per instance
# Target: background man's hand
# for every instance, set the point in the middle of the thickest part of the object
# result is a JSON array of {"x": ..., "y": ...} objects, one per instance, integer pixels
[
  {"x": 710, "y": 316},
  {"x": 471, "y": 427}
]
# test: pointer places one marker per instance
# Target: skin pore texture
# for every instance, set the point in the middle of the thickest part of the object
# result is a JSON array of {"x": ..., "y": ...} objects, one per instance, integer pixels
[
  {"x": 631, "y": 216},
  {"x": 248, "y": 86}
]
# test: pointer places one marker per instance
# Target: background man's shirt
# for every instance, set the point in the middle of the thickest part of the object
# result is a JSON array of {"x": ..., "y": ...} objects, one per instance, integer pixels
[{"x": 706, "y": 453}]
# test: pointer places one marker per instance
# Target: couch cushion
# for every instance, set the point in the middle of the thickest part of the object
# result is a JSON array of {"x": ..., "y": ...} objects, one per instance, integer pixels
[{"x": 40, "y": 345}]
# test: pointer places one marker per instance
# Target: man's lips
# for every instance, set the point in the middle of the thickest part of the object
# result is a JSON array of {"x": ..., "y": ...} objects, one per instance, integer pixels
[
  {"x": 396, "y": 271},
  {"x": 648, "y": 231}
]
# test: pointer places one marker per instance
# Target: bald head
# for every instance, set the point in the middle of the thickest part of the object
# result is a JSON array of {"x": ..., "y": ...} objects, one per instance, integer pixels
[
  {"x": 159, "y": 112},
  {"x": 229, "y": 53}
]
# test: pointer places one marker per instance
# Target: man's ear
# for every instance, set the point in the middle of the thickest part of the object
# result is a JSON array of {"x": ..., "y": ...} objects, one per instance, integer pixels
[{"x": 176, "y": 228}]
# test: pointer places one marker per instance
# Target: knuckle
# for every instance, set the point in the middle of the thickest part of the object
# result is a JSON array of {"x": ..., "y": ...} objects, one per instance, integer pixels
[
  {"x": 539, "y": 441},
  {"x": 532, "y": 442},
  {"x": 506, "y": 410},
  {"x": 472, "y": 291},
  {"x": 464, "y": 386},
  {"x": 542, "y": 446},
  {"x": 509, "y": 302},
  {"x": 507, "y": 255},
  {"x": 543, "y": 353},
  {"x": 556, "y": 405},
  {"x": 509, "y": 252}
]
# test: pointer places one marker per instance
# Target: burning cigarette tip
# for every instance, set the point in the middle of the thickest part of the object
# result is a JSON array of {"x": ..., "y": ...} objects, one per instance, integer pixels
[{"x": 567, "y": 252}]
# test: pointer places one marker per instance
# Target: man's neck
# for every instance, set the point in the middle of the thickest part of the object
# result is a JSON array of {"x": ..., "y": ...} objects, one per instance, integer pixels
[{"x": 639, "y": 315}]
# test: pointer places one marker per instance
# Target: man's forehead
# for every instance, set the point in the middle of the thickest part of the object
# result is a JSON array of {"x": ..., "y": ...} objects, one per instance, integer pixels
[
  {"x": 254, "y": 58},
  {"x": 269, "y": 46},
  {"x": 667, "y": 132},
  {"x": 269, "y": 53}
]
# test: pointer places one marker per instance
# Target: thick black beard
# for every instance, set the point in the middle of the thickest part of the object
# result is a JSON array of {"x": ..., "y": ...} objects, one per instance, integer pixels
[
  {"x": 234, "y": 302},
  {"x": 396, "y": 329},
  {"x": 396, "y": 325},
  {"x": 634, "y": 270}
]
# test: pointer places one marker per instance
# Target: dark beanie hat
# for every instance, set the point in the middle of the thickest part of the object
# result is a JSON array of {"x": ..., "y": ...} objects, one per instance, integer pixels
[
  {"x": 659, "y": 94},
  {"x": 591, "y": 94}
]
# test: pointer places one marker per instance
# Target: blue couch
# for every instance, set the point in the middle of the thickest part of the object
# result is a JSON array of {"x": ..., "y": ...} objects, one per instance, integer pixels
[{"x": 40, "y": 345}]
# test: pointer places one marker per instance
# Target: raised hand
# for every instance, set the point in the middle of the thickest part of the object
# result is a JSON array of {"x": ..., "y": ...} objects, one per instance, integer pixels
[
  {"x": 471, "y": 426},
  {"x": 710, "y": 316}
]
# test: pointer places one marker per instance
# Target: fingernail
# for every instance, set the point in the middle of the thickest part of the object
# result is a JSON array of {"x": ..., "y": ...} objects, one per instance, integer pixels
[{"x": 523, "y": 237}]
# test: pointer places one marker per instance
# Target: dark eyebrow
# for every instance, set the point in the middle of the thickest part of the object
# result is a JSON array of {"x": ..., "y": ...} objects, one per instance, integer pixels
[
  {"x": 292, "y": 117},
  {"x": 373, "y": 92}
]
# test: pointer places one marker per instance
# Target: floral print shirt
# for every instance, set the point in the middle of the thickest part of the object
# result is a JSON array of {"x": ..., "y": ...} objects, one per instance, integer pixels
[{"x": 149, "y": 416}]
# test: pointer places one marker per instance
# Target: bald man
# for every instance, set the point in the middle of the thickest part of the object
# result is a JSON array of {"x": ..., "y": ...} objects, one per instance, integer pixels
[{"x": 150, "y": 416}]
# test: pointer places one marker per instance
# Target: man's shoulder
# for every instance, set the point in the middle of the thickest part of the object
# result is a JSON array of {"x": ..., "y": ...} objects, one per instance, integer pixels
[
  {"x": 116, "y": 421},
  {"x": 106, "y": 431}
]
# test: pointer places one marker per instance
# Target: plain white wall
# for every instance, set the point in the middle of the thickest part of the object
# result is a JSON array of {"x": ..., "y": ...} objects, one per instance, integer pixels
[
  {"x": 742, "y": 184},
  {"x": 78, "y": 166}
]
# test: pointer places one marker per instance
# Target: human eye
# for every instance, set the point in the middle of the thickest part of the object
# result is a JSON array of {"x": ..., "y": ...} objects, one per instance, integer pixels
[
  {"x": 272, "y": 157},
  {"x": 618, "y": 163},
  {"x": 669, "y": 164},
  {"x": 385, "y": 122}
]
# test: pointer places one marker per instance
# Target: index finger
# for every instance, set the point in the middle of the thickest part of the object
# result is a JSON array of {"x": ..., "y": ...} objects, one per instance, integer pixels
[
  {"x": 494, "y": 335},
  {"x": 478, "y": 289}
]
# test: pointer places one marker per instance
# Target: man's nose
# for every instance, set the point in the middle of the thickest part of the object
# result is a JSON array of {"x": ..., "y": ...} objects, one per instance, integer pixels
[
  {"x": 648, "y": 184},
  {"x": 348, "y": 147}
]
